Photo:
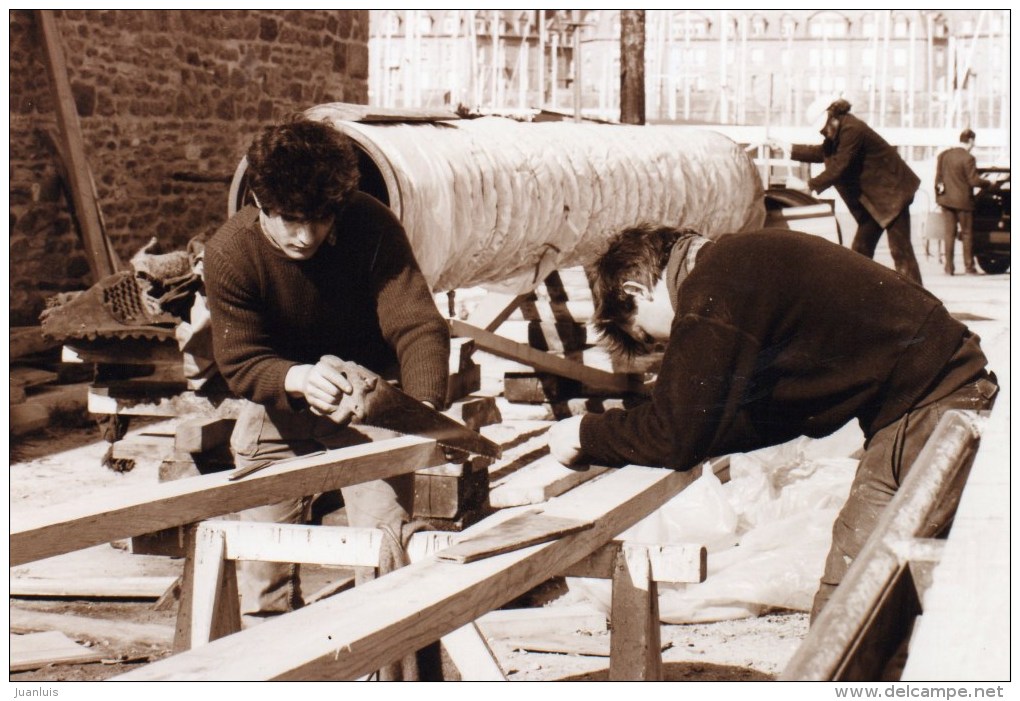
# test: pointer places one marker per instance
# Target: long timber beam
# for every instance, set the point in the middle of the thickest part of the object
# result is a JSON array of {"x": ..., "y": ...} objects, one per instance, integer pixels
[
  {"x": 123, "y": 513},
  {"x": 353, "y": 633}
]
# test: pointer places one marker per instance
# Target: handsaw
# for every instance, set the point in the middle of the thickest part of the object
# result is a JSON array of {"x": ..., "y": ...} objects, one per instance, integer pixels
[{"x": 375, "y": 402}]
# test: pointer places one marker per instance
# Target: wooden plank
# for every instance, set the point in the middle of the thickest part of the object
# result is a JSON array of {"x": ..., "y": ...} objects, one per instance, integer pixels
[
  {"x": 31, "y": 377},
  {"x": 523, "y": 530},
  {"x": 98, "y": 630},
  {"x": 564, "y": 644},
  {"x": 494, "y": 309},
  {"x": 29, "y": 340},
  {"x": 36, "y": 650},
  {"x": 197, "y": 435},
  {"x": 91, "y": 587},
  {"x": 465, "y": 647},
  {"x": 548, "y": 362},
  {"x": 123, "y": 351},
  {"x": 673, "y": 562},
  {"x": 538, "y": 482},
  {"x": 414, "y": 605},
  {"x": 541, "y": 622},
  {"x": 215, "y": 608},
  {"x": 340, "y": 546},
  {"x": 121, "y": 513},
  {"x": 106, "y": 400},
  {"x": 86, "y": 206},
  {"x": 472, "y": 656},
  {"x": 635, "y": 644},
  {"x": 840, "y": 645},
  {"x": 28, "y": 417}
]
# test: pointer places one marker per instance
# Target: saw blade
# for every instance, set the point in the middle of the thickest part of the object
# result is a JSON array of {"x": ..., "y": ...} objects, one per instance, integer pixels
[{"x": 389, "y": 408}]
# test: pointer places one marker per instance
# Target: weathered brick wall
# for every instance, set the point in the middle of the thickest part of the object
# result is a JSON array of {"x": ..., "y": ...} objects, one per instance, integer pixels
[{"x": 168, "y": 101}]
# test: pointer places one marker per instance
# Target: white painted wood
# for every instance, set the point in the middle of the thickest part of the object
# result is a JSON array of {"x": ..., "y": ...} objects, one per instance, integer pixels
[
  {"x": 121, "y": 513},
  {"x": 341, "y": 546},
  {"x": 355, "y": 632}
]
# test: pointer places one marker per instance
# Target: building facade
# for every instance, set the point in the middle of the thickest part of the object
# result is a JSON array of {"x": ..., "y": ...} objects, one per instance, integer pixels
[{"x": 900, "y": 68}]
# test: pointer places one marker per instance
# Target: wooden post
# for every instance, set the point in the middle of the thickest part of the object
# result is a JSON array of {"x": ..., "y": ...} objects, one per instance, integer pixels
[
  {"x": 635, "y": 644},
  {"x": 85, "y": 205},
  {"x": 632, "y": 66}
]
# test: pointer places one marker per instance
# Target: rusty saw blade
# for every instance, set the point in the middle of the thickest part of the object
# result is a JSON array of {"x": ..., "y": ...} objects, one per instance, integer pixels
[{"x": 387, "y": 407}]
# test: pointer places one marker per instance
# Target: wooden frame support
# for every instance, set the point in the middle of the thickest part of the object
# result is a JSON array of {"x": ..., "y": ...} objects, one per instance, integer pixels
[
  {"x": 102, "y": 261},
  {"x": 360, "y": 630},
  {"x": 549, "y": 362},
  {"x": 635, "y": 644},
  {"x": 871, "y": 613},
  {"x": 122, "y": 513}
]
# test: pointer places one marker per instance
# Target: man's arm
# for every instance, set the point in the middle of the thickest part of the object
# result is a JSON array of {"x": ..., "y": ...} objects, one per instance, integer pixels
[
  {"x": 241, "y": 345},
  {"x": 695, "y": 407},
  {"x": 806, "y": 153},
  {"x": 410, "y": 321},
  {"x": 971, "y": 174},
  {"x": 851, "y": 141}
]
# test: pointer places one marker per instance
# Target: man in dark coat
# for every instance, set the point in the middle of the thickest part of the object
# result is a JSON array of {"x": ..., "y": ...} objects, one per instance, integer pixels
[
  {"x": 757, "y": 355},
  {"x": 955, "y": 179},
  {"x": 874, "y": 182}
]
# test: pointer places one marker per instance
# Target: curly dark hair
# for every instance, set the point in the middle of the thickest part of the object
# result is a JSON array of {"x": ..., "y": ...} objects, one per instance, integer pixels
[
  {"x": 639, "y": 253},
  {"x": 302, "y": 169}
]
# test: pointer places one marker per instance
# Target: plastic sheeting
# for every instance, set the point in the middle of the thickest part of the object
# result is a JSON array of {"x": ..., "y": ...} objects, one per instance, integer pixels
[
  {"x": 767, "y": 531},
  {"x": 501, "y": 203}
]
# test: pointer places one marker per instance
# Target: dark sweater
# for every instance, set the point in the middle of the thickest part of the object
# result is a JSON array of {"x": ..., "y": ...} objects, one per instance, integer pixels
[
  {"x": 361, "y": 298},
  {"x": 779, "y": 334}
]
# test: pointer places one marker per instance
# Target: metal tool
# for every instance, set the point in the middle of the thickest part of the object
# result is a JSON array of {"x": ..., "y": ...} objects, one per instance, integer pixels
[
  {"x": 387, "y": 407},
  {"x": 375, "y": 402}
]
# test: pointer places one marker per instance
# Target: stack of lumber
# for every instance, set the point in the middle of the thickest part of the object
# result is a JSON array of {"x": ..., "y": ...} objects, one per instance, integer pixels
[{"x": 40, "y": 385}]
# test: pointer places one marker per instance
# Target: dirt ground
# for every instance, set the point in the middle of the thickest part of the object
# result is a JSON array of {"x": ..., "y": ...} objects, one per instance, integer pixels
[{"x": 64, "y": 461}]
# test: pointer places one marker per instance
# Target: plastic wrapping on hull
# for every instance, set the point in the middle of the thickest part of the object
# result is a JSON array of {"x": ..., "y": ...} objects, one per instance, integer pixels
[{"x": 501, "y": 203}]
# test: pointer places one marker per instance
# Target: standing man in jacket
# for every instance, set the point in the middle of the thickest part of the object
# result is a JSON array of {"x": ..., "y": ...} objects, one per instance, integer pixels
[
  {"x": 315, "y": 275},
  {"x": 874, "y": 182},
  {"x": 955, "y": 179},
  {"x": 757, "y": 355}
]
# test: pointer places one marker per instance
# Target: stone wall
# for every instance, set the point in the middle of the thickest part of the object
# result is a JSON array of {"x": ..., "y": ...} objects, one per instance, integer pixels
[{"x": 168, "y": 101}]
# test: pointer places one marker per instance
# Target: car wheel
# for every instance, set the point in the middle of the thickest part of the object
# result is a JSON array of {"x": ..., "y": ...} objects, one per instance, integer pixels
[{"x": 993, "y": 265}]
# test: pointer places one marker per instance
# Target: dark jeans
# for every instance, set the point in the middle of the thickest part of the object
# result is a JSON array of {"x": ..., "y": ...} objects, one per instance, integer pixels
[
  {"x": 869, "y": 232},
  {"x": 965, "y": 220},
  {"x": 887, "y": 459}
]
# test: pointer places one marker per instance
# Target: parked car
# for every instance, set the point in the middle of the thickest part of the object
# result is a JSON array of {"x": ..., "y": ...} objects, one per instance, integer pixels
[{"x": 991, "y": 222}]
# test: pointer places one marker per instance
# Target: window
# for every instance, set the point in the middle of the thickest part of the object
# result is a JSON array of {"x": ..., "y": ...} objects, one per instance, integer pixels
[
  {"x": 451, "y": 23},
  {"x": 757, "y": 56},
  {"x": 899, "y": 83},
  {"x": 391, "y": 23},
  {"x": 759, "y": 26},
  {"x": 828, "y": 25},
  {"x": 687, "y": 24},
  {"x": 868, "y": 27},
  {"x": 901, "y": 27},
  {"x": 424, "y": 22},
  {"x": 840, "y": 56},
  {"x": 900, "y": 57},
  {"x": 787, "y": 26},
  {"x": 868, "y": 57}
]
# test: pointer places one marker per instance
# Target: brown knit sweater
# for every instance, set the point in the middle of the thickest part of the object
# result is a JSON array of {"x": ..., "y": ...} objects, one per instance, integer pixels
[{"x": 362, "y": 298}]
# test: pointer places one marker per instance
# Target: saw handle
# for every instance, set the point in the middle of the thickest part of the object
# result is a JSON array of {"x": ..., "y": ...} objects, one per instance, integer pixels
[{"x": 362, "y": 382}]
